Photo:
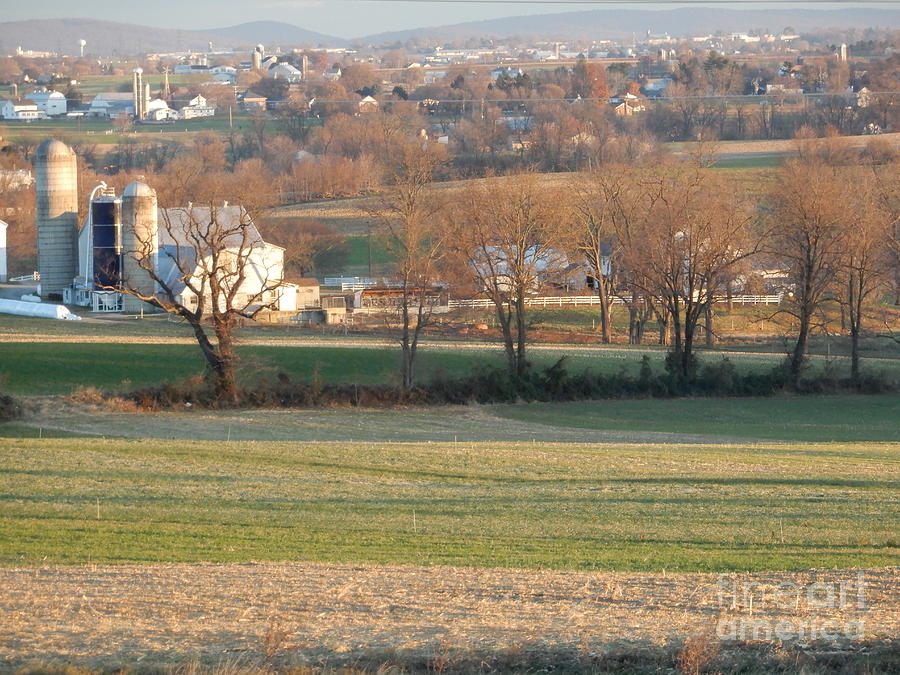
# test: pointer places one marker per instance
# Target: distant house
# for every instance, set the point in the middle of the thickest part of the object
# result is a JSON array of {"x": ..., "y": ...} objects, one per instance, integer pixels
[
  {"x": 307, "y": 293},
  {"x": 628, "y": 105},
  {"x": 111, "y": 105},
  {"x": 367, "y": 105},
  {"x": 197, "y": 107},
  {"x": 51, "y": 102},
  {"x": 285, "y": 71},
  {"x": 224, "y": 74},
  {"x": 252, "y": 102},
  {"x": 191, "y": 69},
  {"x": 789, "y": 88},
  {"x": 656, "y": 86},
  {"x": 512, "y": 73},
  {"x": 21, "y": 112},
  {"x": 432, "y": 76}
]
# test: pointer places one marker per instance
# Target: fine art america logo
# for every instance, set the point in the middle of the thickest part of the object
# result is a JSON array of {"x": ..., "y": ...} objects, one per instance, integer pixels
[{"x": 791, "y": 611}]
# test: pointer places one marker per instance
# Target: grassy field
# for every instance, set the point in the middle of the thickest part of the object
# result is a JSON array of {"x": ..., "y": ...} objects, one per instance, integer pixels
[
  {"x": 536, "y": 505},
  {"x": 42, "y": 368},
  {"x": 800, "y": 418}
]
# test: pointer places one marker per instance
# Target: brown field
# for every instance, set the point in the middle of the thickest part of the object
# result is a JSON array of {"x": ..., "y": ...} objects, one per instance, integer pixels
[
  {"x": 356, "y": 215},
  {"x": 107, "y": 617}
]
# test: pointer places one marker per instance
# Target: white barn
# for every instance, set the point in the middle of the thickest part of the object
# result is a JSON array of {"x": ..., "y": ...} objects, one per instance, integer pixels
[
  {"x": 51, "y": 102},
  {"x": 176, "y": 250}
]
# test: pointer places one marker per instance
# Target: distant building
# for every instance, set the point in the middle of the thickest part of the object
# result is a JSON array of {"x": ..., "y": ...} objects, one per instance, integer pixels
[
  {"x": 224, "y": 74},
  {"x": 628, "y": 105},
  {"x": 252, "y": 102},
  {"x": 285, "y": 71},
  {"x": 111, "y": 105},
  {"x": 367, "y": 105},
  {"x": 159, "y": 111},
  {"x": 191, "y": 69},
  {"x": 197, "y": 107},
  {"x": 51, "y": 102},
  {"x": 21, "y": 112}
]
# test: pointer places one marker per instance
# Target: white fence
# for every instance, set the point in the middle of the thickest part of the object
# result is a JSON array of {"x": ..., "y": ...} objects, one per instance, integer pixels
[
  {"x": 34, "y": 276},
  {"x": 584, "y": 300}
]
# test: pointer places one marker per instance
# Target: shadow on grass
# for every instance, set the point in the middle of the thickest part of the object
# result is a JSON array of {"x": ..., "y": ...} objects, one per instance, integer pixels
[{"x": 701, "y": 653}]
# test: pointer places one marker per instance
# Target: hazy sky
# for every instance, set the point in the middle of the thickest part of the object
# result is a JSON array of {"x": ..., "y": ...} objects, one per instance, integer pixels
[{"x": 344, "y": 18}]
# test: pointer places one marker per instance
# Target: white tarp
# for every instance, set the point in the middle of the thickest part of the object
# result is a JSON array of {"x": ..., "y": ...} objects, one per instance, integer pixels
[{"x": 41, "y": 311}]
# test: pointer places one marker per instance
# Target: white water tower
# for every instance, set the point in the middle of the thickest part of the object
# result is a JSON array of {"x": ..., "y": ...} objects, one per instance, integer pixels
[{"x": 81, "y": 44}]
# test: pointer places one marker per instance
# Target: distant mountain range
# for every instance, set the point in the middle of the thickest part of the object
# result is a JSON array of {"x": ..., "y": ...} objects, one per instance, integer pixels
[
  {"x": 106, "y": 38},
  {"x": 622, "y": 24}
]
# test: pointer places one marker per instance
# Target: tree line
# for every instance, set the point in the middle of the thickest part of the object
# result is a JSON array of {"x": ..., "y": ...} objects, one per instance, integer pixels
[{"x": 667, "y": 239}]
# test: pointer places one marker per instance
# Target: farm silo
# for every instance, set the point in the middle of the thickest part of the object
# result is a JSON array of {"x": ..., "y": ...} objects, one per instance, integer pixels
[
  {"x": 140, "y": 243},
  {"x": 106, "y": 244},
  {"x": 56, "y": 185}
]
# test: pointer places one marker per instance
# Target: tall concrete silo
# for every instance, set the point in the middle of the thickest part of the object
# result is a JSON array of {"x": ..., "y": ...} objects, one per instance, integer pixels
[
  {"x": 140, "y": 243},
  {"x": 56, "y": 185}
]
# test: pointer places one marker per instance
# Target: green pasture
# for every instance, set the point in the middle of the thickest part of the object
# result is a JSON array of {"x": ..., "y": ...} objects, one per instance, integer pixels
[
  {"x": 517, "y": 504},
  {"x": 843, "y": 418},
  {"x": 40, "y": 368}
]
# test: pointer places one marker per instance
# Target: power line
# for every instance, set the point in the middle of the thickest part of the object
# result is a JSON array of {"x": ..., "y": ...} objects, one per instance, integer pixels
[{"x": 634, "y": 2}]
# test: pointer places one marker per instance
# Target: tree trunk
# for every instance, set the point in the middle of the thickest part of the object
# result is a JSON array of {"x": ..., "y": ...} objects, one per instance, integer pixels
[
  {"x": 605, "y": 314},
  {"x": 504, "y": 318},
  {"x": 226, "y": 385},
  {"x": 520, "y": 334},
  {"x": 710, "y": 328},
  {"x": 406, "y": 353},
  {"x": 687, "y": 350},
  {"x": 854, "y": 353},
  {"x": 798, "y": 356}
]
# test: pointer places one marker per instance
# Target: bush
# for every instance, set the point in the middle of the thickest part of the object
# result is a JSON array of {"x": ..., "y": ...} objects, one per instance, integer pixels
[
  {"x": 498, "y": 385},
  {"x": 10, "y": 409}
]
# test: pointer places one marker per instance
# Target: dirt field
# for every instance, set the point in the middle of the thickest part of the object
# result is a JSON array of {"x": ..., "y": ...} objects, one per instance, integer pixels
[{"x": 106, "y": 616}]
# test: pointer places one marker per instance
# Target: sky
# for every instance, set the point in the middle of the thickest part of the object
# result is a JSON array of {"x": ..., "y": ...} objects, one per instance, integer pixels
[{"x": 343, "y": 18}]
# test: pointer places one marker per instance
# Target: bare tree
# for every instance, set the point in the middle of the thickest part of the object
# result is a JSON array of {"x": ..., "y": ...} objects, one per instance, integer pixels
[
  {"x": 507, "y": 233},
  {"x": 415, "y": 240},
  {"x": 206, "y": 261},
  {"x": 693, "y": 233},
  {"x": 809, "y": 238},
  {"x": 600, "y": 200},
  {"x": 866, "y": 265}
]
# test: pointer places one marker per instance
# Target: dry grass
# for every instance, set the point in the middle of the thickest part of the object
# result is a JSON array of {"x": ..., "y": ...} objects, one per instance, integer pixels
[
  {"x": 697, "y": 653},
  {"x": 306, "y": 615}
]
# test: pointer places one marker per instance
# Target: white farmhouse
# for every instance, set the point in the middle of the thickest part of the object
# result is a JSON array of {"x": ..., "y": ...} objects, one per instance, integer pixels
[
  {"x": 21, "y": 112},
  {"x": 197, "y": 107}
]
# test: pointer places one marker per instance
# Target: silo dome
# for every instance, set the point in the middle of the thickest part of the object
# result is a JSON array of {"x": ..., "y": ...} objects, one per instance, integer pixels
[
  {"x": 52, "y": 149},
  {"x": 138, "y": 189}
]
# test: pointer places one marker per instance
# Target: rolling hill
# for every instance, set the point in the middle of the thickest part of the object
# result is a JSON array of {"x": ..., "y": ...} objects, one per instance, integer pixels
[
  {"x": 105, "y": 38},
  {"x": 619, "y": 24}
]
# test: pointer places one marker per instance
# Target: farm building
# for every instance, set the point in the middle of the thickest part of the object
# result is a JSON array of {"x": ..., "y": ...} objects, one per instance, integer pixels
[
  {"x": 53, "y": 103},
  {"x": 21, "y": 112},
  {"x": 128, "y": 241}
]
